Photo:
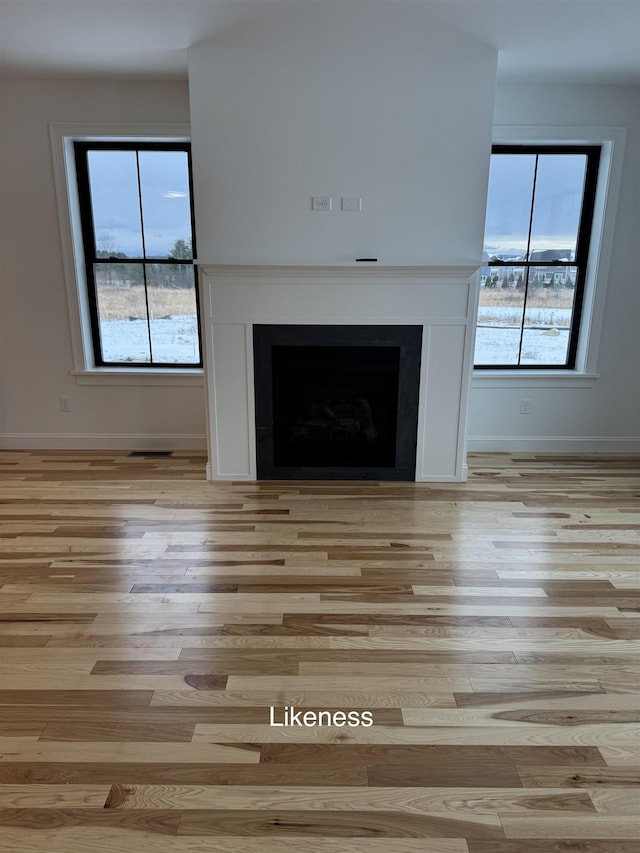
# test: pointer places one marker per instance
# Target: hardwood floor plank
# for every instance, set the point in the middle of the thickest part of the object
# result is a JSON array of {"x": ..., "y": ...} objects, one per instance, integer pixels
[
  {"x": 118, "y": 731},
  {"x": 372, "y": 699},
  {"x": 605, "y": 736},
  {"x": 98, "y": 698},
  {"x": 171, "y": 715},
  {"x": 601, "y": 826},
  {"x": 160, "y": 822},
  {"x": 53, "y": 796},
  {"x": 21, "y": 729},
  {"x": 351, "y": 655},
  {"x": 366, "y": 699},
  {"x": 459, "y": 772},
  {"x": 549, "y": 696},
  {"x": 52, "y": 656},
  {"x": 336, "y": 824},
  {"x": 115, "y": 840},
  {"x": 625, "y": 671},
  {"x": 579, "y": 777},
  {"x": 226, "y": 698},
  {"x": 499, "y": 717},
  {"x": 347, "y": 755},
  {"x": 222, "y": 663},
  {"x": 73, "y": 682},
  {"x": 22, "y": 642},
  {"x": 168, "y": 773},
  {"x": 296, "y": 604},
  {"x": 463, "y": 803},
  {"x": 553, "y": 845},
  {"x": 568, "y": 646},
  {"x": 439, "y": 683},
  {"x": 25, "y": 749}
]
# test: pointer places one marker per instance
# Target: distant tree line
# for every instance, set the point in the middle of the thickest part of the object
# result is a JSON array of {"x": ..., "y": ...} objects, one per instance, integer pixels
[
  {"x": 122, "y": 274},
  {"x": 553, "y": 278}
]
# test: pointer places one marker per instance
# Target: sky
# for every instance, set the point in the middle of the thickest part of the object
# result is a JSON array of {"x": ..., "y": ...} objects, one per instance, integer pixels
[
  {"x": 556, "y": 213},
  {"x": 164, "y": 187}
]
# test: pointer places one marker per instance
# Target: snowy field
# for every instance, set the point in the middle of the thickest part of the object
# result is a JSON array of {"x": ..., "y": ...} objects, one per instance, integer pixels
[
  {"x": 174, "y": 340},
  {"x": 499, "y": 345},
  {"x": 545, "y": 339}
]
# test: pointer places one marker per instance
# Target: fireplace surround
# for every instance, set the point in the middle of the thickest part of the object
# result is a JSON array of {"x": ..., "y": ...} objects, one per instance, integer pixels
[{"x": 239, "y": 300}]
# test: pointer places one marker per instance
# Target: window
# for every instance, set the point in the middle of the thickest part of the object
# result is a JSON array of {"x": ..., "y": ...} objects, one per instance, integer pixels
[
  {"x": 137, "y": 237},
  {"x": 539, "y": 217}
]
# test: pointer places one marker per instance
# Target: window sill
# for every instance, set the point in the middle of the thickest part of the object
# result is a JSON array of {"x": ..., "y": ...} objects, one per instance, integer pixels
[
  {"x": 136, "y": 376},
  {"x": 533, "y": 379}
]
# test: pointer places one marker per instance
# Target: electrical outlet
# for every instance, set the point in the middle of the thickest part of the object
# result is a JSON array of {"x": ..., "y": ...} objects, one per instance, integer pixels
[
  {"x": 525, "y": 406},
  {"x": 65, "y": 404}
]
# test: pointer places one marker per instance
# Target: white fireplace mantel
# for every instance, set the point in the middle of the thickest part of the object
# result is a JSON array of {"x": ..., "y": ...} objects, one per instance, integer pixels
[{"x": 443, "y": 300}]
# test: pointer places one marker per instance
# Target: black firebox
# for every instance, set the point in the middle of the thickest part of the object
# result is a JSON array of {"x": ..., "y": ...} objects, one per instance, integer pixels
[{"x": 336, "y": 402}]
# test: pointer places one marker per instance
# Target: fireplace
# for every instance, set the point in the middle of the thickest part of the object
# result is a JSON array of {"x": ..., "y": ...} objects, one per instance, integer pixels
[
  {"x": 343, "y": 342},
  {"x": 336, "y": 402}
]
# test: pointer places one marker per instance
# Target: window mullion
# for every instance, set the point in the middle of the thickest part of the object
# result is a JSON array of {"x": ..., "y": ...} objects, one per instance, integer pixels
[
  {"x": 144, "y": 255},
  {"x": 524, "y": 311},
  {"x": 533, "y": 201},
  {"x": 146, "y": 302},
  {"x": 527, "y": 258}
]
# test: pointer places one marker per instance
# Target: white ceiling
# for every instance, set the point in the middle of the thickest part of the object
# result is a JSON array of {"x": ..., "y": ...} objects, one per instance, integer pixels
[{"x": 574, "y": 41}]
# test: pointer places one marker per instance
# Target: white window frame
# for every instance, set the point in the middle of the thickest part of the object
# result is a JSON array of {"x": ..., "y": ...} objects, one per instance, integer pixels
[
  {"x": 611, "y": 141},
  {"x": 62, "y": 137}
]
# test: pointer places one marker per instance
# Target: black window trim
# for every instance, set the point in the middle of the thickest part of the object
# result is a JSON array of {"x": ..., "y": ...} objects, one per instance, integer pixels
[
  {"x": 81, "y": 148},
  {"x": 592, "y": 152}
]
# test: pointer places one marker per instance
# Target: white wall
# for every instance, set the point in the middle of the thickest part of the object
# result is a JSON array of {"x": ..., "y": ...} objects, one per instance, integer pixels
[
  {"x": 35, "y": 350},
  {"x": 605, "y": 416},
  {"x": 373, "y": 100}
]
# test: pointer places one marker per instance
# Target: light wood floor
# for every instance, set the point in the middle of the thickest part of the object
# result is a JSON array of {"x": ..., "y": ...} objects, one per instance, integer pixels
[{"x": 150, "y": 620}]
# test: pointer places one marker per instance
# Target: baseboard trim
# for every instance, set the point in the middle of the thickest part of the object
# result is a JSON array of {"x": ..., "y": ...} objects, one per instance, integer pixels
[
  {"x": 198, "y": 442},
  {"x": 553, "y": 444},
  {"x": 437, "y": 478},
  {"x": 102, "y": 441}
]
